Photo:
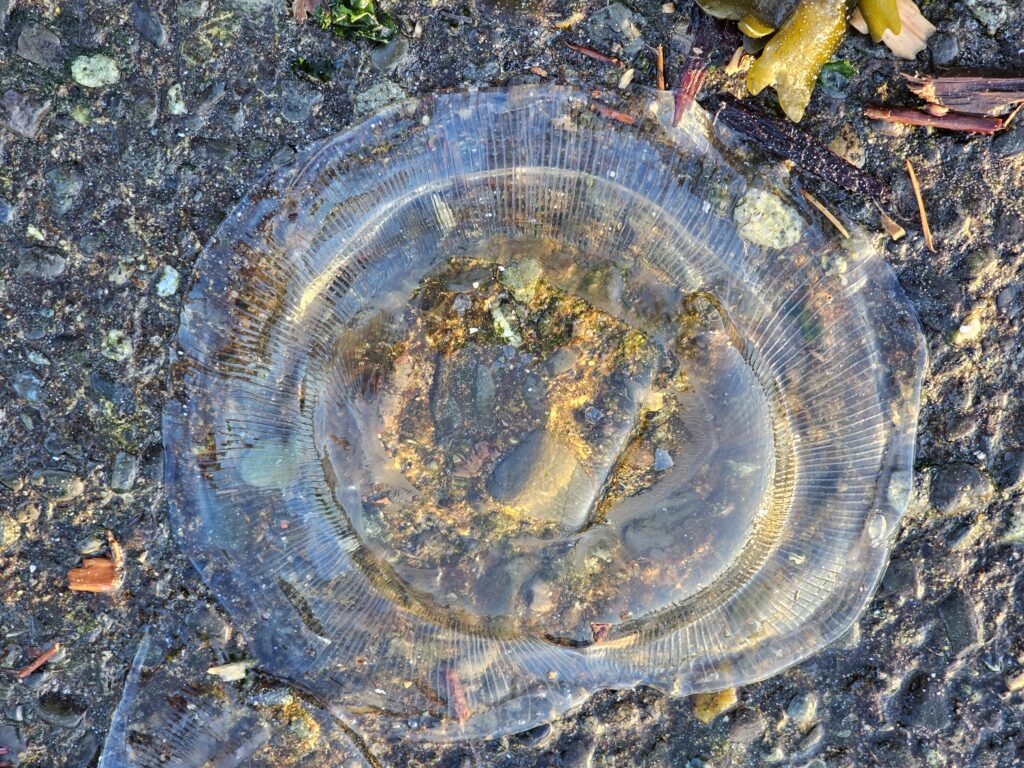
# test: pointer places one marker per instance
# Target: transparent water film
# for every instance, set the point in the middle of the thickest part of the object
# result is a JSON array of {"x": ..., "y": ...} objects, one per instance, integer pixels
[{"x": 492, "y": 402}]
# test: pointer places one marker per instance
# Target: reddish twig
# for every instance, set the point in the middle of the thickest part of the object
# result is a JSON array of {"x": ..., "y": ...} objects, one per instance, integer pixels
[
  {"x": 603, "y": 58},
  {"x": 605, "y": 111},
  {"x": 33, "y": 665},
  {"x": 659, "y": 61},
  {"x": 950, "y": 121},
  {"x": 707, "y": 32},
  {"x": 456, "y": 694}
]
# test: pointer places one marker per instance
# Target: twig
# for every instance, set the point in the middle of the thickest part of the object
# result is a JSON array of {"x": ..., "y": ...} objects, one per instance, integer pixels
[
  {"x": 920, "y": 207},
  {"x": 950, "y": 121},
  {"x": 605, "y": 111},
  {"x": 33, "y": 665},
  {"x": 825, "y": 212},
  {"x": 659, "y": 61},
  {"x": 603, "y": 58},
  {"x": 787, "y": 141},
  {"x": 456, "y": 694}
]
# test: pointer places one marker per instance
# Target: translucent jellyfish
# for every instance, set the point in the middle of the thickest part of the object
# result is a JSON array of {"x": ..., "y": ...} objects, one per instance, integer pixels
[{"x": 492, "y": 402}]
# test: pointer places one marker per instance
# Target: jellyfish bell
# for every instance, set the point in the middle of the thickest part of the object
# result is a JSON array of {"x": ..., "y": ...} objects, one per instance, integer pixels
[{"x": 491, "y": 402}]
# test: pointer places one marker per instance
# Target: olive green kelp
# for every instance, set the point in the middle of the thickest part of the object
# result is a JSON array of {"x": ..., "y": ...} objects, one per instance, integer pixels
[{"x": 805, "y": 35}]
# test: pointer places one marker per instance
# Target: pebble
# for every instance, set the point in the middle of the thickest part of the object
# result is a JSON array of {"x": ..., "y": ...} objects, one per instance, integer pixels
[
  {"x": 662, "y": 460},
  {"x": 848, "y": 145},
  {"x": 1009, "y": 143},
  {"x": 802, "y": 709},
  {"x": 377, "y": 96},
  {"x": 193, "y": 9},
  {"x": 521, "y": 278},
  {"x": 28, "y": 386},
  {"x": 60, "y": 710},
  {"x": 763, "y": 219},
  {"x": 124, "y": 472},
  {"x": 271, "y": 697},
  {"x": 175, "y": 103},
  {"x": 65, "y": 187},
  {"x": 746, "y": 727},
  {"x": 961, "y": 621},
  {"x": 10, "y": 532},
  {"x": 167, "y": 281},
  {"x": 41, "y": 46},
  {"x": 57, "y": 485},
  {"x": 923, "y": 703},
  {"x": 945, "y": 49},
  {"x": 24, "y": 113},
  {"x": 116, "y": 346},
  {"x": 298, "y": 103},
  {"x": 95, "y": 71},
  {"x": 149, "y": 25},
  {"x": 40, "y": 262},
  {"x": 1009, "y": 469},
  {"x": 616, "y": 26},
  {"x": 708, "y": 706},
  {"x": 958, "y": 488}
]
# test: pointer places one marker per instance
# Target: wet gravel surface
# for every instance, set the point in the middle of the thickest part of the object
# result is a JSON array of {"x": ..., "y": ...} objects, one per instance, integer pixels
[{"x": 128, "y": 131}]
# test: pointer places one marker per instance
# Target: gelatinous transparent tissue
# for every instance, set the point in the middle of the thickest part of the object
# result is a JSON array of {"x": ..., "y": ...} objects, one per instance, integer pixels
[{"x": 491, "y": 402}]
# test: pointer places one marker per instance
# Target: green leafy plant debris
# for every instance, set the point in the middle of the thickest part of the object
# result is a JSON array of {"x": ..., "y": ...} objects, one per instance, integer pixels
[{"x": 358, "y": 18}]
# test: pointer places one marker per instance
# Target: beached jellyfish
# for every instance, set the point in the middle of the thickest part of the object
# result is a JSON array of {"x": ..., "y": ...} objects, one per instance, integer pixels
[{"x": 493, "y": 401}]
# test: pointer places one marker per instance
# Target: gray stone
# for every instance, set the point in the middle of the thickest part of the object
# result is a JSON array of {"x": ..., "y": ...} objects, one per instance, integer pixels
[
  {"x": 1009, "y": 469},
  {"x": 616, "y": 25},
  {"x": 377, "y": 96},
  {"x": 1008, "y": 300},
  {"x": 8, "y": 212},
  {"x": 5, "y": 11},
  {"x": 902, "y": 578},
  {"x": 1010, "y": 142},
  {"x": 298, "y": 102},
  {"x": 961, "y": 622},
  {"x": 28, "y": 386},
  {"x": 60, "y": 710},
  {"x": 923, "y": 703},
  {"x": 40, "y": 262},
  {"x": 41, "y": 46},
  {"x": 991, "y": 13},
  {"x": 662, "y": 460},
  {"x": 149, "y": 24},
  {"x": 958, "y": 488},
  {"x": 24, "y": 114},
  {"x": 746, "y": 727},
  {"x": 945, "y": 49},
  {"x": 65, "y": 187},
  {"x": 124, "y": 472}
]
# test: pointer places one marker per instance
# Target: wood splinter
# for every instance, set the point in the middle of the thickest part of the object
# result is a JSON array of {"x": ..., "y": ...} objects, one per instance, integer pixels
[
  {"x": 596, "y": 56},
  {"x": 936, "y": 118},
  {"x": 833, "y": 219},
  {"x": 35, "y": 664},
  {"x": 99, "y": 574},
  {"x": 928, "y": 241}
]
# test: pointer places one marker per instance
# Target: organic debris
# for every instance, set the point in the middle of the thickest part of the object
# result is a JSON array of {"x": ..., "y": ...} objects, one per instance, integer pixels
[
  {"x": 99, "y": 574},
  {"x": 605, "y": 111},
  {"x": 913, "y": 36},
  {"x": 596, "y": 56},
  {"x": 35, "y": 664},
  {"x": 787, "y": 141},
  {"x": 358, "y": 18},
  {"x": 301, "y": 9},
  {"x": 659, "y": 63},
  {"x": 927, "y": 230},
  {"x": 949, "y": 121},
  {"x": 456, "y": 695},
  {"x": 707, "y": 31},
  {"x": 232, "y": 672},
  {"x": 825, "y": 212},
  {"x": 970, "y": 93},
  {"x": 891, "y": 226}
]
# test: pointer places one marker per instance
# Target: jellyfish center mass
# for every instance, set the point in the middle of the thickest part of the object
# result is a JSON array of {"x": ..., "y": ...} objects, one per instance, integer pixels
[{"x": 528, "y": 439}]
